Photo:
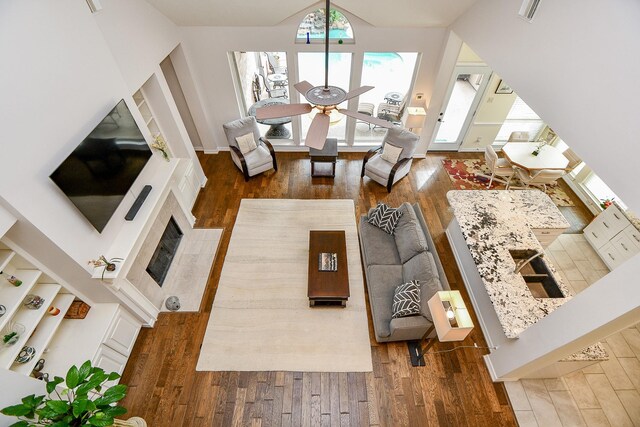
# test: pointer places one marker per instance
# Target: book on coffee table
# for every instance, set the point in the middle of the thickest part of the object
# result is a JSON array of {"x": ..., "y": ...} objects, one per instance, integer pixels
[{"x": 328, "y": 261}]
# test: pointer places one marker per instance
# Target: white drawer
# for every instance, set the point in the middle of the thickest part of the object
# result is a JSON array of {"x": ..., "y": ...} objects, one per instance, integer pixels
[
  {"x": 109, "y": 360},
  {"x": 122, "y": 333},
  {"x": 597, "y": 234},
  {"x": 610, "y": 256},
  {"x": 546, "y": 236},
  {"x": 613, "y": 220},
  {"x": 633, "y": 234},
  {"x": 625, "y": 246}
]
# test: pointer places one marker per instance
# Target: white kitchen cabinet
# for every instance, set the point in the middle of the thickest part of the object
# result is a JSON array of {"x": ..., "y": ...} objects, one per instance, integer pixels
[
  {"x": 110, "y": 360},
  {"x": 122, "y": 332},
  {"x": 613, "y": 236}
]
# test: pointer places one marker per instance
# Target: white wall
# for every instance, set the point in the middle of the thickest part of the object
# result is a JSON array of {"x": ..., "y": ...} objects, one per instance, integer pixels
[
  {"x": 62, "y": 70},
  {"x": 576, "y": 66},
  {"x": 207, "y": 50}
]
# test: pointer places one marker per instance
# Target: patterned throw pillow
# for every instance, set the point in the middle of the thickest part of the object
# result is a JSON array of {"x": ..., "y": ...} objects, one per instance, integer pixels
[
  {"x": 385, "y": 218},
  {"x": 406, "y": 300}
]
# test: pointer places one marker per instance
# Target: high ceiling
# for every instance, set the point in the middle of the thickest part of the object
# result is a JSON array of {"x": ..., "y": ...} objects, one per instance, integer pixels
[{"x": 396, "y": 13}]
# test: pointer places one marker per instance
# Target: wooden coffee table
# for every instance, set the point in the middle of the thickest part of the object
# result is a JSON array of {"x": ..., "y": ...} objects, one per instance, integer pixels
[{"x": 328, "y": 287}]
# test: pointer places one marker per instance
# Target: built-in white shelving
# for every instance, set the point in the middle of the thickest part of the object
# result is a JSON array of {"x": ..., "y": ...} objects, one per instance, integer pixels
[
  {"x": 45, "y": 332},
  {"x": 29, "y": 318},
  {"x": 11, "y": 296},
  {"x": 6, "y": 256}
]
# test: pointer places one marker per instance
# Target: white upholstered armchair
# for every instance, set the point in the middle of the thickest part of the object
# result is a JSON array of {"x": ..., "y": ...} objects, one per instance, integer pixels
[
  {"x": 251, "y": 153},
  {"x": 390, "y": 162}
]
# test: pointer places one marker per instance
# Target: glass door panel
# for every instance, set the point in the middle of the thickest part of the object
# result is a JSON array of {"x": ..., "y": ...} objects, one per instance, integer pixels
[
  {"x": 263, "y": 76},
  {"x": 462, "y": 99},
  {"x": 311, "y": 69},
  {"x": 390, "y": 73}
]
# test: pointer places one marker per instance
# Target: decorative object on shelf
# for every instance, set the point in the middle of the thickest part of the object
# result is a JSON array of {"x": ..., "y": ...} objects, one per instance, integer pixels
[
  {"x": 39, "y": 365},
  {"x": 539, "y": 147},
  {"x": 26, "y": 354},
  {"x": 3, "y": 310},
  {"x": 12, "y": 333},
  {"x": 33, "y": 302},
  {"x": 12, "y": 279},
  {"x": 161, "y": 145},
  {"x": 54, "y": 311},
  {"x": 108, "y": 264},
  {"x": 172, "y": 303},
  {"x": 42, "y": 376},
  {"x": 77, "y": 310},
  {"x": 503, "y": 88},
  {"x": 605, "y": 203},
  {"x": 85, "y": 399}
]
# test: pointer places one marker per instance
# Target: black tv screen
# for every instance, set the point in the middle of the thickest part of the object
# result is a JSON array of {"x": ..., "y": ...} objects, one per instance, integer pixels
[{"x": 100, "y": 171}]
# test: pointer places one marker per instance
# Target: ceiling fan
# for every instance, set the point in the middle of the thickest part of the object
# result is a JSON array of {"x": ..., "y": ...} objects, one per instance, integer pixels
[{"x": 323, "y": 98}]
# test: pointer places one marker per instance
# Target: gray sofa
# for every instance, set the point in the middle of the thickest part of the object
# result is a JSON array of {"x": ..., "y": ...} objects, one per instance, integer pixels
[{"x": 390, "y": 260}]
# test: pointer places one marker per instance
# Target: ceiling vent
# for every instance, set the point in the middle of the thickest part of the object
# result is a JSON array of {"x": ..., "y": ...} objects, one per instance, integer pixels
[
  {"x": 529, "y": 9},
  {"x": 94, "y": 5}
]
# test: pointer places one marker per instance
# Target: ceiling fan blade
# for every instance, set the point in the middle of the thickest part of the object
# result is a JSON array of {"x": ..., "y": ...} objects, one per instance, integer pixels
[
  {"x": 303, "y": 87},
  {"x": 318, "y": 131},
  {"x": 358, "y": 92},
  {"x": 282, "y": 110},
  {"x": 367, "y": 118}
]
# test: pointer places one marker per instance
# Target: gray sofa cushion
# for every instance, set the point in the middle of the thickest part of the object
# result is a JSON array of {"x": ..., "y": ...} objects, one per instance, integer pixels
[
  {"x": 379, "y": 247},
  {"x": 383, "y": 280},
  {"x": 422, "y": 268},
  {"x": 408, "y": 234}
]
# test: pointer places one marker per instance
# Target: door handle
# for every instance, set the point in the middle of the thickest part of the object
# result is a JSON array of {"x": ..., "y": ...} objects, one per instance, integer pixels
[{"x": 441, "y": 121}]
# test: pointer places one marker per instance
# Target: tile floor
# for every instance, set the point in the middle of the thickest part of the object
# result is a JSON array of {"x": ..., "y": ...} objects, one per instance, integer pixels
[{"x": 603, "y": 394}]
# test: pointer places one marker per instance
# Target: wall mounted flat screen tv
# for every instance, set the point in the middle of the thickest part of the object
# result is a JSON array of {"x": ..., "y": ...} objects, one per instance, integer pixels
[{"x": 100, "y": 171}]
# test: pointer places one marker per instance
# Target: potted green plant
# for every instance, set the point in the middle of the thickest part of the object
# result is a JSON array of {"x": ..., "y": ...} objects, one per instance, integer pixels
[{"x": 80, "y": 399}]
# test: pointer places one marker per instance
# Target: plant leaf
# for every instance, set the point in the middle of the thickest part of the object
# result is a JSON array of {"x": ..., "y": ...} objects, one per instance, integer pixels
[
  {"x": 20, "y": 424},
  {"x": 73, "y": 377},
  {"x": 51, "y": 385},
  {"x": 113, "y": 376},
  {"x": 84, "y": 371},
  {"x": 115, "y": 411},
  {"x": 19, "y": 410},
  {"x": 59, "y": 406},
  {"x": 100, "y": 419},
  {"x": 79, "y": 407},
  {"x": 116, "y": 389}
]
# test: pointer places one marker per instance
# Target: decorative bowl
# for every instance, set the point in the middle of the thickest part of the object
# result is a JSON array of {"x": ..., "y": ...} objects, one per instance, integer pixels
[{"x": 11, "y": 334}]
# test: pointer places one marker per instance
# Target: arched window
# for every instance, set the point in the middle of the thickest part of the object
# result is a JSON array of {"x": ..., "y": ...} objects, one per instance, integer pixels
[{"x": 311, "y": 29}]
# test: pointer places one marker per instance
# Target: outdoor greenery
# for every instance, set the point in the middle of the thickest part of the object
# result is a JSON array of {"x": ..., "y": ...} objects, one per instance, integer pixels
[{"x": 83, "y": 401}]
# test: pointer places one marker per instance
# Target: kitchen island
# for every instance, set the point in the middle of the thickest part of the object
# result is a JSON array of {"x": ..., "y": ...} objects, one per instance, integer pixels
[{"x": 488, "y": 226}]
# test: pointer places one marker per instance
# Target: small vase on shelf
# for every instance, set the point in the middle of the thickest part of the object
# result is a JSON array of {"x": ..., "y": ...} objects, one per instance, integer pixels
[{"x": 12, "y": 279}]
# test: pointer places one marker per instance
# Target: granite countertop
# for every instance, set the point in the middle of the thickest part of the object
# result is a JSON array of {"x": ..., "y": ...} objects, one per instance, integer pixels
[{"x": 492, "y": 222}]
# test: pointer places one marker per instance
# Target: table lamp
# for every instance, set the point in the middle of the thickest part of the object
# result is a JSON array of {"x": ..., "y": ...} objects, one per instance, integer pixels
[
  {"x": 416, "y": 116},
  {"x": 451, "y": 320}
]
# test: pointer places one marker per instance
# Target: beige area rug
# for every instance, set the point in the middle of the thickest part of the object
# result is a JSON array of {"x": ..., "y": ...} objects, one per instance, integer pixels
[{"x": 261, "y": 319}]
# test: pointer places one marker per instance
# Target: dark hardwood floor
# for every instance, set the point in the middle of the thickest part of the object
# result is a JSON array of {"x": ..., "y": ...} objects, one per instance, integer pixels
[{"x": 454, "y": 389}]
